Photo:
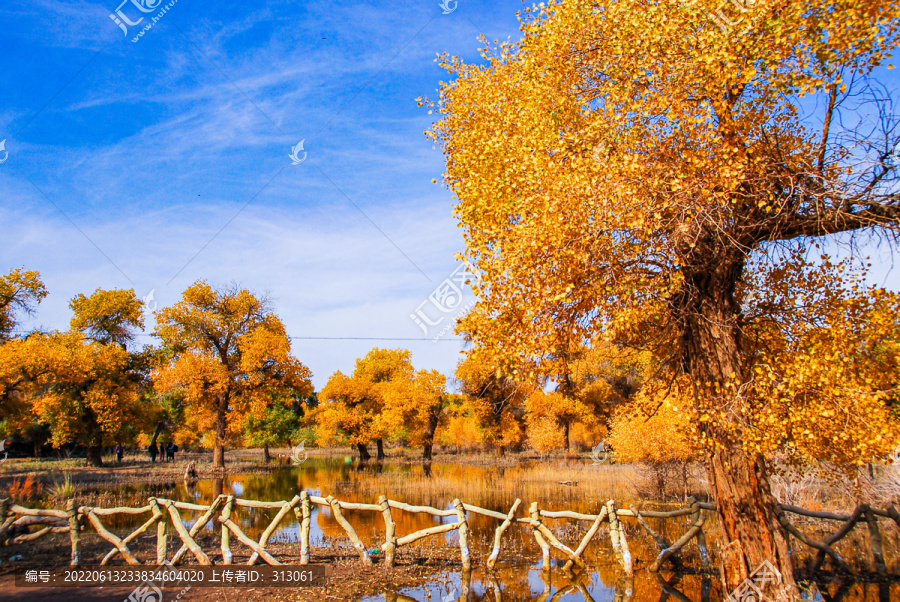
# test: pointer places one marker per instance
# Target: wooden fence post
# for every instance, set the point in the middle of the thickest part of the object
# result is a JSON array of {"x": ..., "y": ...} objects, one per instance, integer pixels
[
  {"x": 304, "y": 527},
  {"x": 348, "y": 529},
  {"x": 72, "y": 516},
  {"x": 226, "y": 534},
  {"x": 4, "y": 522},
  {"x": 495, "y": 553},
  {"x": 617, "y": 537},
  {"x": 161, "y": 539},
  {"x": 463, "y": 535},
  {"x": 390, "y": 530},
  {"x": 545, "y": 547}
]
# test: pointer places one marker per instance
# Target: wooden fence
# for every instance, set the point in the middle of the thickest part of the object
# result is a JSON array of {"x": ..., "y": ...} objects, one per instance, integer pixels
[{"x": 16, "y": 521}]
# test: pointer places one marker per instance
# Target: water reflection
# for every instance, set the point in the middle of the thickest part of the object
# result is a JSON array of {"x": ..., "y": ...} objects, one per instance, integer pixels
[
  {"x": 525, "y": 583},
  {"x": 494, "y": 488},
  {"x": 592, "y": 586}
]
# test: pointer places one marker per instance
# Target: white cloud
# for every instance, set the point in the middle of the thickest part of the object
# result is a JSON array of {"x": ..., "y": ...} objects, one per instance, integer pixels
[{"x": 330, "y": 273}]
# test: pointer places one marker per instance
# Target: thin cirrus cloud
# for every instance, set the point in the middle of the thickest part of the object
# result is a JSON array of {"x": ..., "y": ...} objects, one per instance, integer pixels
[
  {"x": 325, "y": 273},
  {"x": 151, "y": 165},
  {"x": 156, "y": 164}
]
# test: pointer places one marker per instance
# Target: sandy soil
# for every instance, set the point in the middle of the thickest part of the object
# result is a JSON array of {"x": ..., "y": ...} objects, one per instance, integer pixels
[{"x": 350, "y": 581}]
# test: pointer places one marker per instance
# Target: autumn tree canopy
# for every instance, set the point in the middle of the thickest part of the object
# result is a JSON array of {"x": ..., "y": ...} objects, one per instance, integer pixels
[
  {"x": 108, "y": 317},
  {"x": 352, "y": 408},
  {"x": 82, "y": 384},
  {"x": 631, "y": 171},
  {"x": 495, "y": 397},
  {"x": 416, "y": 405},
  {"x": 228, "y": 357},
  {"x": 20, "y": 292}
]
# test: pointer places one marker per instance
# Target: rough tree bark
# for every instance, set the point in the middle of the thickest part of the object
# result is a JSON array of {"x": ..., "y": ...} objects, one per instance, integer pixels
[
  {"x": 219, "y": 449},
  {"x": 430, "y": 429},
  {"x": 746, "y": 507},
  {"x": 379, "y": 446},
  {"x": 94, "y": 455},
  {"x": 363, "y": 452},
  {"x": 159, "y": 428}
]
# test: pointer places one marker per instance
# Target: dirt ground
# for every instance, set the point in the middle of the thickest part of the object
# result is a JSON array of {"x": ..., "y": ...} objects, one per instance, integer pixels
[
  {"x": 135, "y": 470},
  {"x": 350, "y": 580}
]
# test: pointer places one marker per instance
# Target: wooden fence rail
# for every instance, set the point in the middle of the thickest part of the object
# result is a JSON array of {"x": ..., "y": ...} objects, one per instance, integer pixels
[{"x": 16, "y": 521}]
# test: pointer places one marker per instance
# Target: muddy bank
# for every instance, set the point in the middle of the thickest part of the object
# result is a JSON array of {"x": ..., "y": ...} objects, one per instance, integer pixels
[{"x": 350, "y": 581}]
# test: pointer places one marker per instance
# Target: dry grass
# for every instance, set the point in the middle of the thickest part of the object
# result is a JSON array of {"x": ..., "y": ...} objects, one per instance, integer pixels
[{"x": 822, "y": 486}]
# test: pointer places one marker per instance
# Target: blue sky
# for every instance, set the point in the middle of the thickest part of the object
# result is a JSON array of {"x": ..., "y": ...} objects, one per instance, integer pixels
[{"x": 152, "y": 164}]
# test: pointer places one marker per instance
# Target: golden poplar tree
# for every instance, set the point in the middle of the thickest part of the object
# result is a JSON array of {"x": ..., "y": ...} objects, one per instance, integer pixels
[
  {"x": 20, "y": 292},
  {"x": 416, "y": 405},
  {"x": 85, "y": 385},
  {"x": 631, "y": 169},
  {"x": 495, "y": 398},
  {"x": 352, "y": 408},
  {"x": 227, "y": 357}
]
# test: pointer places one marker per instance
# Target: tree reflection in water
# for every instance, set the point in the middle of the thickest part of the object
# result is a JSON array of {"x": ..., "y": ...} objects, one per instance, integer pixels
[
  {"x": 530, "y": 583},
  {"x": 494, "y": 488}
]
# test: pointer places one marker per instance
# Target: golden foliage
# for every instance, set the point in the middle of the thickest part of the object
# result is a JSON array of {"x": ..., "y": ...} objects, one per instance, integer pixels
[
  {"x": 85, "y": 391},
  {"x": 352, "y": 408},
  {"x": 20, "y": 291},
  {"x": 631, "y": 176},
  {"x": 550, "y": 416},
  {"x": 107, "y": 316},
  {"x": 496, "y": 400},
  {"x": 228, "y": 357},
  {"x": 656, "y": 427}
]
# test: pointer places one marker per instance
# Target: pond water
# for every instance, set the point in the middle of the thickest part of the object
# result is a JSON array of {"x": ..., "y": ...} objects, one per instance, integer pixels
[{"x": 573, "y": 485}]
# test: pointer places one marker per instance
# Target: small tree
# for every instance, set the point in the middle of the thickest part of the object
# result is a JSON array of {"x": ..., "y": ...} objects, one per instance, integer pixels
[
  {"x": 417, "y": 404},
  {"x": 351, "y": 409},
  {"x": 655, "y": 429},
  {"x": 83, "y": 389},
  {"x": 496, "y": 399},
  {"x": 20, "y": 292},
  {"x": 550, "y": 416},
  {"x": 275, "y": 427}
]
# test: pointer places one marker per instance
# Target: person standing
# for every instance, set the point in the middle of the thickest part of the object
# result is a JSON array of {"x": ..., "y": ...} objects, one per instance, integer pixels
[
  {"x": 152, "y": 450},
  {"x": 162, "y": 452},
  {"x": 120, "y": 451}
]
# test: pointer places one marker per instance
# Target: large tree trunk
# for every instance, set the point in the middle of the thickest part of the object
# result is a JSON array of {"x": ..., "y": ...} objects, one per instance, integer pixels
[
  {"x": 266, "y": 456},
  {"x": 363, "y": 452},
  {"x": 219, "y": 450},
  {"x": 566, "y": 434},
  {"x": 94, "y": 455},
  {"x": 749, "y": 517},
  {"x": 430, "y": 429},
  {"x": 379, "y": 446},
  {"x": 159, "y": 428},
  {"x": 746, "y": 507}
]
